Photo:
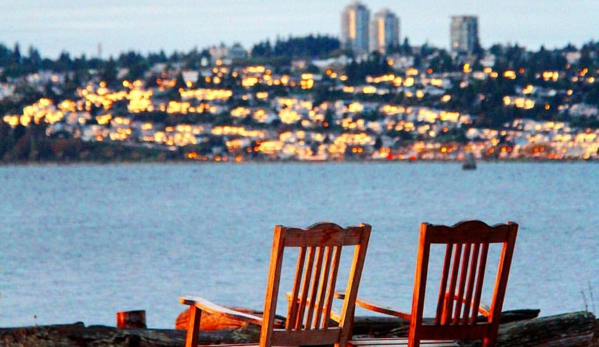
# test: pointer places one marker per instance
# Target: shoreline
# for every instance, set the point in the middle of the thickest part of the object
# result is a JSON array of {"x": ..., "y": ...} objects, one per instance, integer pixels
[
  {"x": 569, "y": 329},
  {"x": 307, "y": 162}
]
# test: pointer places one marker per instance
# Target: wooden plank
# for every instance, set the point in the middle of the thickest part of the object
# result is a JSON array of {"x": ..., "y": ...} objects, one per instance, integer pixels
[{"x": 211, "y": 307}]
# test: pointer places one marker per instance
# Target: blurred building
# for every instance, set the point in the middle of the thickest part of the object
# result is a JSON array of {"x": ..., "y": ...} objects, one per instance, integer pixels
[
  {"x": 384, "y": 31},
  {"x": 354, "y": 27},
  {"x": 223, "y": 52},
  {"x": 464, "y": 33}
]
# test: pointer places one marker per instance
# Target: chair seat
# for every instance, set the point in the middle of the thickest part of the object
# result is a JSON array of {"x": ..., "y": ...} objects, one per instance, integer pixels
[
  {"x": 369, "y": 343},
  {"x": 374, "y": 342}
]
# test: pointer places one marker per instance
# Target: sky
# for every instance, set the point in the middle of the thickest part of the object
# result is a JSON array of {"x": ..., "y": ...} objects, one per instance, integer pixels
[{"x": 117, "y": 26}]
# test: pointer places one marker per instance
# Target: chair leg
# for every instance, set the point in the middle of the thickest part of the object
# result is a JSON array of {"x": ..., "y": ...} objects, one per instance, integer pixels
[
  {"x": 490, "y": 340},
  {"x": 193, "y": 327}
]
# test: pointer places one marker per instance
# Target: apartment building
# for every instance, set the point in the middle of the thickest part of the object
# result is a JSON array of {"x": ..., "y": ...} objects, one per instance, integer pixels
[
  {"x": 463, "y": 33},
  {"x": 355, "y": 20},
  {"x": 384, "y": 31}
]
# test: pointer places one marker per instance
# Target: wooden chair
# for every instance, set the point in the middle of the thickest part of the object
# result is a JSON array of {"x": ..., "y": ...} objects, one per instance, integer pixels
[
  {"x": 312, "y": 292},
  {"x": 462, "y": 277}
]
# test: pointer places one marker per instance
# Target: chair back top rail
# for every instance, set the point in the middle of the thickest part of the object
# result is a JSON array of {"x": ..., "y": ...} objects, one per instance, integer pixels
[{"x": 322, "y": 234}]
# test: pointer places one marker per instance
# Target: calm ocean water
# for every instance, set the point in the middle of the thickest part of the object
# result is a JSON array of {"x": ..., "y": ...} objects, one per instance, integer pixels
[{"x": 80, "y": 243}]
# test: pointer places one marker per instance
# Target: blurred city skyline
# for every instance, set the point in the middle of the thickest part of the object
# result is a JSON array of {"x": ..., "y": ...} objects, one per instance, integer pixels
[{"x": 114, "y": 27}]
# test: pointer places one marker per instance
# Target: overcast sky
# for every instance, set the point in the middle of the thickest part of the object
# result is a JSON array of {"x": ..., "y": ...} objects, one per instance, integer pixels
[{"x": 78, "y": 27}]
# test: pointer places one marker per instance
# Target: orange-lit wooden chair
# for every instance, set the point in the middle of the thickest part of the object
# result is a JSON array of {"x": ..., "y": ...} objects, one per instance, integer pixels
[
  {"x": 318, "y": 266},
  {"x": 459, "y": 313}
]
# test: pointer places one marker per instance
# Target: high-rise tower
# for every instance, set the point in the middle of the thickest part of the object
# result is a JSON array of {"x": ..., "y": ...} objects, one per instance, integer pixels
[
  {"x": 464, "y": 33},
  {"x": 354, "y": 27},
  {"x": 384, "y": 31}
]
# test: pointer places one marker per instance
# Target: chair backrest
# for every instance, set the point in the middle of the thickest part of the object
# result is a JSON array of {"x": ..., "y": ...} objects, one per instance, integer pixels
[
  {"x": 462, "y": 278},
  {"x": 314, "y": 283}
]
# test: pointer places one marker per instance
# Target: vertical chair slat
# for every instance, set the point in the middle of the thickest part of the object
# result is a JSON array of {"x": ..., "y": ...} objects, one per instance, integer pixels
[
  {"x": 323, "y": 286},
  {"x": 305, "y": 288},
  {"x": 292, "y": 312},
  {"x": 443, "y": 286},
  {"x": 453, "y": 283},
  {"x": 459, "y": 302},
  {"x": 471, "y": 278},
  {"x": 480, "y": 278},
  {"x": 314, "y": 288},
  {"x": 336, "y": 258}
]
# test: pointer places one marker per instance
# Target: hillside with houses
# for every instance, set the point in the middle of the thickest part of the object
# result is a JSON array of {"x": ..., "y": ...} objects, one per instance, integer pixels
[{"x": 301, "y": 99}]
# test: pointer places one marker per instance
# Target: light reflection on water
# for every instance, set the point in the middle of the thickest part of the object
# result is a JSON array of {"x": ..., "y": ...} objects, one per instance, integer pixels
[{"x": 80, "y": 243}]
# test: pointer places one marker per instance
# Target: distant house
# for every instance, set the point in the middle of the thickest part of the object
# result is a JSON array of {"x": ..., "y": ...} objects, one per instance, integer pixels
[
  {"x": 190, "y": 75},
  {"x": 6, "y": 90},
  {"x": 573, "y": 57},
  {"x": 44, "y": 77},
  {"x": 331, "y": 63},
  {"x": 488, "y": 60},
  {"x": 583, "y": 110},
  {"x": 223, "y": 52}
]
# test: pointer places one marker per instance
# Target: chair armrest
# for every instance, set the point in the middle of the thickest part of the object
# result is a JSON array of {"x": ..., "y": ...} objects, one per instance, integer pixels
[
  {"x": 213, "y": 308},
  {"x": 335, "y": 316},
  {"x": 369, "y": 305},
  {"x": 484, "y": 309}
]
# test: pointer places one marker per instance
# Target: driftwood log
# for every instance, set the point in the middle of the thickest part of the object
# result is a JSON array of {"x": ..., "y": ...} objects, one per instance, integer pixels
[
  {"x": 571, "y": 329},
  {"x": 78, "y": 335},
  {"x": 385, "y": 326},
  {"x": 567, "y": 330}
]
